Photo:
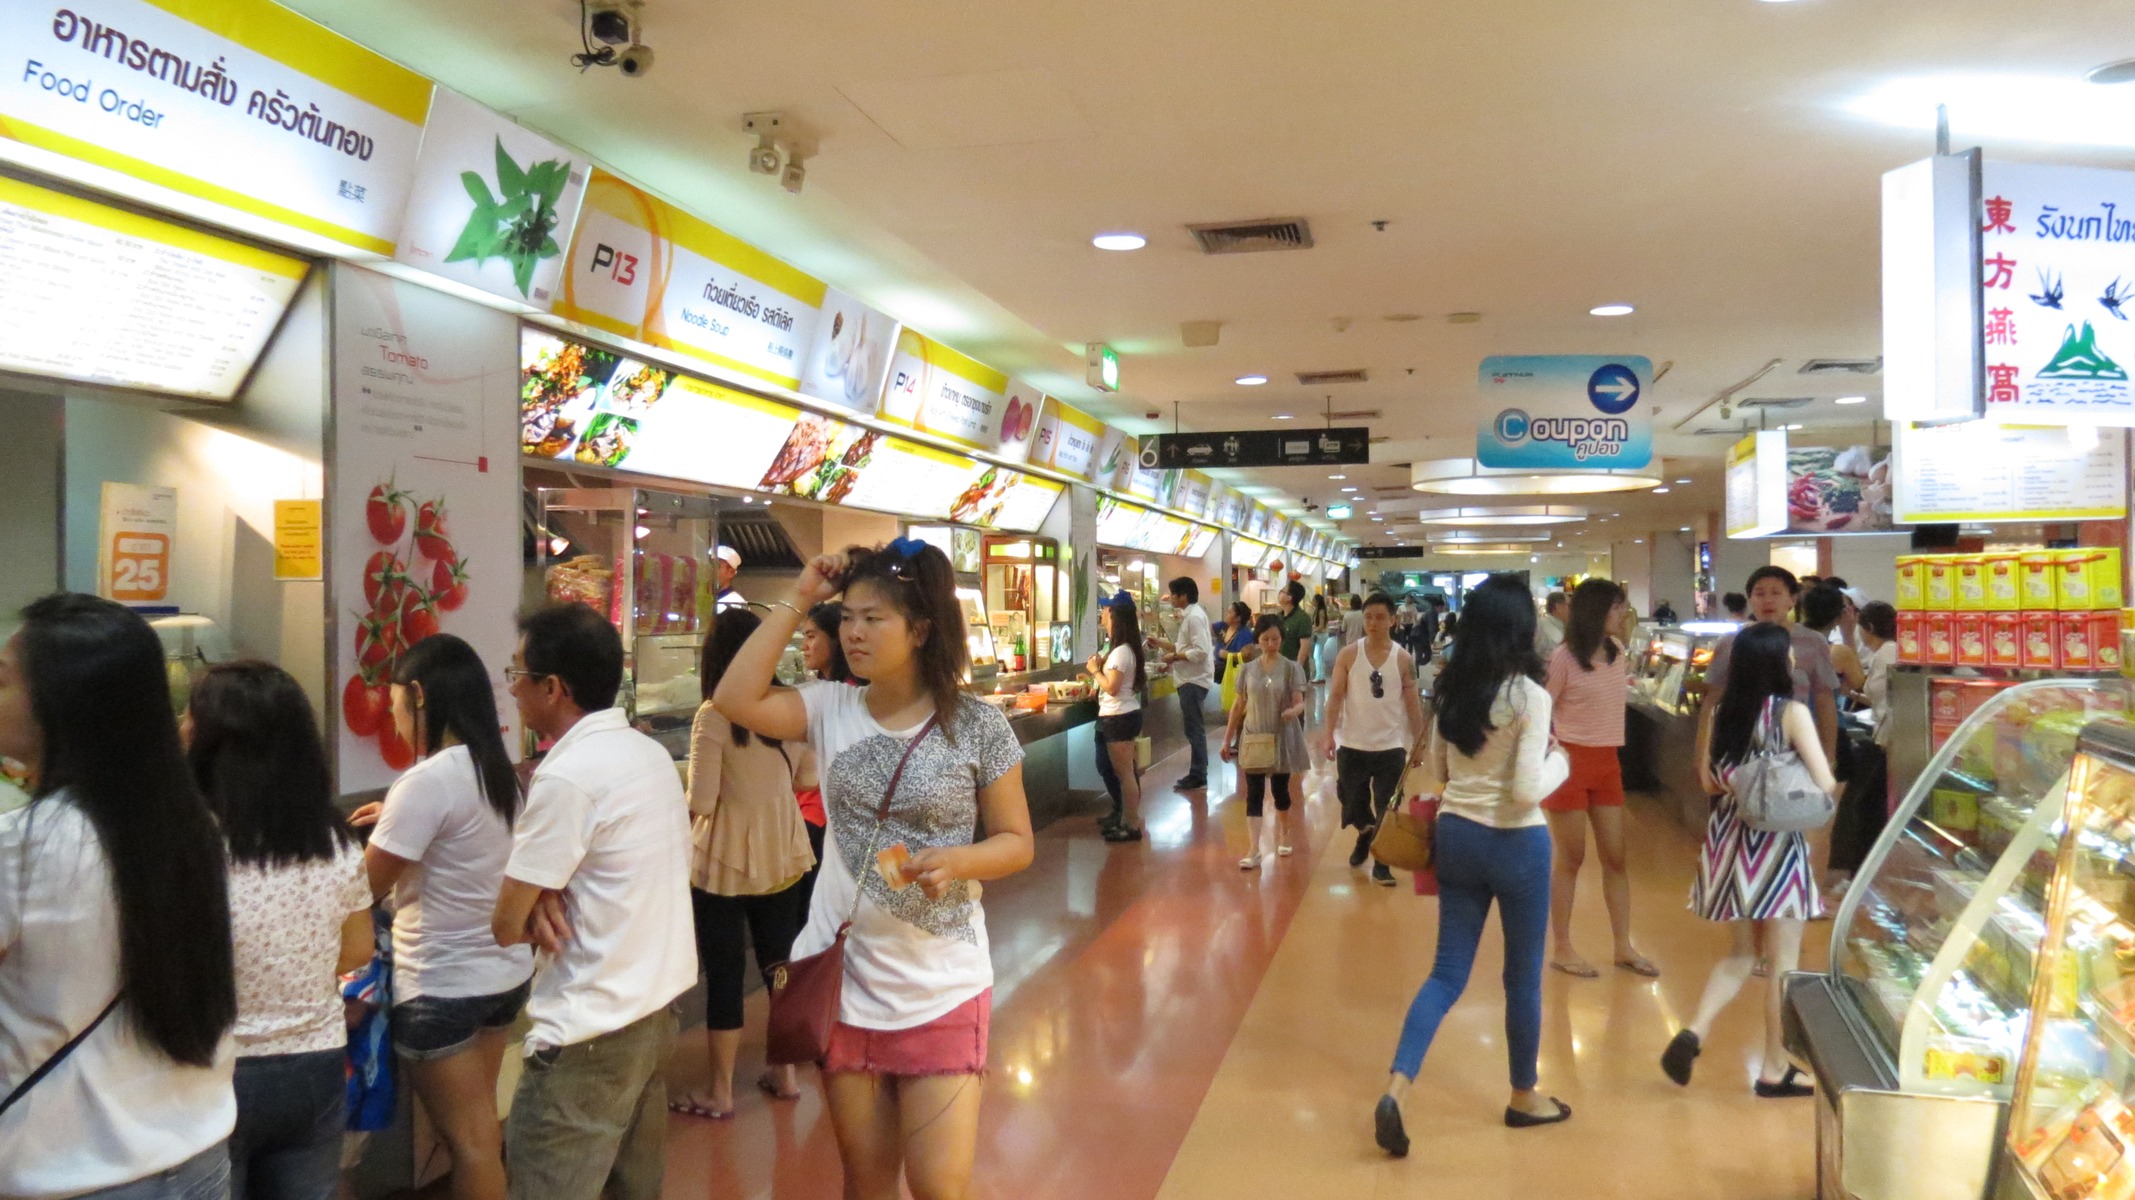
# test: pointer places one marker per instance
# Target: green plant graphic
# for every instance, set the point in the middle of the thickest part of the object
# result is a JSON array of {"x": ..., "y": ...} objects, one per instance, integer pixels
[{"x": 519, "y": 223}]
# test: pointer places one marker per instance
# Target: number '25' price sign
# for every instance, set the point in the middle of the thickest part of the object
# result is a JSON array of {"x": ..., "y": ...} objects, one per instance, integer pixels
[{"x": 137, "y": 528}]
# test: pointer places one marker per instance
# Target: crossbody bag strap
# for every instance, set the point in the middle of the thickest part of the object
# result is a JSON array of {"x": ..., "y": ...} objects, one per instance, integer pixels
[
  {"x": 58, "y": 1056},
  {"x": 882, "y": 812}
]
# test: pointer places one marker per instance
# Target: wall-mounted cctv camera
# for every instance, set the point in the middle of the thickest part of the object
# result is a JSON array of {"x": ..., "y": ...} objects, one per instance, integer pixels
[
  {"x": 764, "y": 159},
  {"x": 796, "y": 176},
  {"x": 634, "y": 61},
  {"x": 610, "y": 26}
]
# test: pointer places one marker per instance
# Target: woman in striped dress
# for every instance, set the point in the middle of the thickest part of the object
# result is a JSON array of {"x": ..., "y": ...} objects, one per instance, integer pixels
[{"x": 1761, "y": 884}]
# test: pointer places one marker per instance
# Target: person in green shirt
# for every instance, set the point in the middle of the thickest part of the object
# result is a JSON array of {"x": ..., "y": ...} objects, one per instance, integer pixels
[{"x": 1296, "y": 625}]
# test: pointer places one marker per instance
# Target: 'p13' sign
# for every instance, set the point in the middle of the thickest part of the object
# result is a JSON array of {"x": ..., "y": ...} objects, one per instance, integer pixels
[
  {"x": 140, "y": 567},
  {"x": 622, "y": 268}
]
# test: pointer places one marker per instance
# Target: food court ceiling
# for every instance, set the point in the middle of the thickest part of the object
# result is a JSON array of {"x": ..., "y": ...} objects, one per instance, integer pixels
[{"x": 1703, "y": 160}]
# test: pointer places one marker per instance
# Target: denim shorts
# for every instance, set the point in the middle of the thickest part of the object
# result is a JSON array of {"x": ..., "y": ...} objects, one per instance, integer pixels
[{"x": 433, "y": 1027}]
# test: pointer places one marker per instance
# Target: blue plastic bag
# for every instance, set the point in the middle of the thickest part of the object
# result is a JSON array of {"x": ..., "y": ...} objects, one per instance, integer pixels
[{"x": 370, "y": 1053}]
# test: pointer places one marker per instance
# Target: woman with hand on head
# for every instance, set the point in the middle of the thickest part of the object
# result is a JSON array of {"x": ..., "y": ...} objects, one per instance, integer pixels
[
  {"x": 912, "y": 766},
  {"x": 299, "y": 915},
  {"x": 439, "y": 844},
  {"x": 1122, "y": 685},
  {"x": 115, "y": 953},
  {"x": 1270, "y": 704},
  {"x": 1490, "y": 748},
  {"x": 1760, "y": 883}
]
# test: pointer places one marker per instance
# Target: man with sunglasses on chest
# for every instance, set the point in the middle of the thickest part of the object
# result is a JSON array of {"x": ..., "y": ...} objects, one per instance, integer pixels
[{"x": 1375, "y": 727}]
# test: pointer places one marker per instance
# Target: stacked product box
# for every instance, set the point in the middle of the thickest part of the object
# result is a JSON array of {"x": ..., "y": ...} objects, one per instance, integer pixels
[{"x": 2053, "y": 610}]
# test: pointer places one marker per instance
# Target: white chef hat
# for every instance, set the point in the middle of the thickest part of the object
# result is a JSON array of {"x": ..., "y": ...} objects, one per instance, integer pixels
[{"x": 728, "y": 555}]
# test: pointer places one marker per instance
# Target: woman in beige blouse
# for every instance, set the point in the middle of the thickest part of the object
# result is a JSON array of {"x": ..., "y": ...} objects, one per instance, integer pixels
[{"x": 748, "y": 850}]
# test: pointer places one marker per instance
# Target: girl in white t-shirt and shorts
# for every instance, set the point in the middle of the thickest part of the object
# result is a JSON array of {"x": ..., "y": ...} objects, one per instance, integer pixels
[
  {"x": 1122, "y": 684},
  {"x": 903, "y": 1076}
]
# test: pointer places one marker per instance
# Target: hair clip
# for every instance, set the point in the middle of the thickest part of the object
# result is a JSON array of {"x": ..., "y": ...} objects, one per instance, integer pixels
[
  {"x": 1120, "y": 599},
  {"x": 906, "y": 547}
]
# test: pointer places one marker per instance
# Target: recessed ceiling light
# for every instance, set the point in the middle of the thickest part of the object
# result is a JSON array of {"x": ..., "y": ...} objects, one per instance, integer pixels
[
  {"x": 1660, "y": 491},
  {"x": 1119, "y": 241},
  {"x": 1250, "y": 380},
  {"x": 1285, "y": 417},
  {"x": 1790, "y": 428},
  {"x": 1350, "y": 488},
  {"x": 1612, "y": 310},
  {"x": 1851, "y": 400},
  {"x": 1683, "y": 529},
  {"x": 1680, "y": 482},
  {"x": 1338, "y": 477},
  {"x": 2020, "y": 108}
]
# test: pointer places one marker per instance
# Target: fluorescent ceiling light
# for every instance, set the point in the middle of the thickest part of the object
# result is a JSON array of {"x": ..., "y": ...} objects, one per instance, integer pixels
[
  {"x": 1523, "y": 514},
  {"x": 1612, "y": 310},
  {"x": 1466, "y": 477},
  {"x": 1680, "y": 482},
  {"x": 2049, "y": 109},
  {"x": 1119, "y": 241},
  {"x": 1251, "y": 380},
  {"x": 1790, "y": 428},
  {"x": 1478, "y": 539},
  {"x": 1285, "y": 417},
  {"x": 1338, "y": 477},
  {"x": 1350, "y": 488},
  {"x": 1851, "y": 400},
  {"x": 1660, "y": 491}
]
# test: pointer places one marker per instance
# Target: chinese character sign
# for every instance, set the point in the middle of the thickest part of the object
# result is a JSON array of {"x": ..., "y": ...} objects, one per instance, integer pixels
[{"x": 2057, "y": 271}]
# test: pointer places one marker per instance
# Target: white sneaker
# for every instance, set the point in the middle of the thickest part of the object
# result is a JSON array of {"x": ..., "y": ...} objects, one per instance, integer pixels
[
  {"x": 1250, "y": 862},
  {"x": 1284, "y": 851}
]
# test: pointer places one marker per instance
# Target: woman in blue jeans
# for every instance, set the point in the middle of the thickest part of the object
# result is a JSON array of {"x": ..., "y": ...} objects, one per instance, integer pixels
[{"x": 1490, "y": 746}]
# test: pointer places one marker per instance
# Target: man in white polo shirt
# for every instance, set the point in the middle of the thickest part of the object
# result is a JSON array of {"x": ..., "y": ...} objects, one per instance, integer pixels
[
  {"x": 1193, "y": 669},
  {"x": 599, "y": 880}
]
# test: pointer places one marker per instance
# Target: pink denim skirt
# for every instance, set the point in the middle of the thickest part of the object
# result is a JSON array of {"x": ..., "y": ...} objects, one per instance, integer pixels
[{"x": 951, "y": 1044}]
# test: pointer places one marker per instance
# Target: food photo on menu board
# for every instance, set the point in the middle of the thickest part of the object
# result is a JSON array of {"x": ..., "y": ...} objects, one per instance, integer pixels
[
  {"x": 821, "y": 460},
  {"x": 1832, "y": 489},
  {"x": 981, "y": 502}
]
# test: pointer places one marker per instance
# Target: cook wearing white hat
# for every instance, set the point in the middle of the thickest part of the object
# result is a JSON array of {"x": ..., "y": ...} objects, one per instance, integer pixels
[{"x": 729, "y": 563}]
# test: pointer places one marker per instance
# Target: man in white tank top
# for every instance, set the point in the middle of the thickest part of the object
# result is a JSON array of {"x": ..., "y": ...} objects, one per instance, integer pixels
[{"x": 1375, "y": 727}]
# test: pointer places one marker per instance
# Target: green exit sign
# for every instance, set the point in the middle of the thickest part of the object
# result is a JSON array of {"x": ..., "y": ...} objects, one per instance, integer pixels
[
  {"x": 1104, "y": 367},
  {"x": 1340, "y": 512}
]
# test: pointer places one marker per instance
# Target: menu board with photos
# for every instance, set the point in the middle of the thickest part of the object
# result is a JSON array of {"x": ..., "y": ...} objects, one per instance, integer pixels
[
  {"x": 1204, "y": 536},
  {"x": 102, "y": 295}
]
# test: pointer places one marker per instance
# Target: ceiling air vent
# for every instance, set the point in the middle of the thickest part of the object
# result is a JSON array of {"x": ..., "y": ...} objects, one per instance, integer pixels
[
  {"x": 1252, "y": 237},
  {"x": 1316, "y": 378},
  {"x": 1842, "y": 366},
  {"x": 1355, "y": 414},
  {"x": 1775, "y": 401}
]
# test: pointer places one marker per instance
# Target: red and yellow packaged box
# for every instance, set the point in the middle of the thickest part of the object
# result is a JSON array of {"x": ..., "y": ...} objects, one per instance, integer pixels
[
  {"x": 1970, "y": 575},
  {"x": 2040, "y": 635},
  {"x": 1942, "y": 639},
  {"x": 2072, "y": 634},
  {"x": 2105, "y": 639},
  {"x": 2005, "y": 639},
  {"x": 1912, "y": 583},
  {"x": 1941, "y": 581},
  {"x": 1971, "y": 639},
  {"x": 2087, "y": 578},
  {"x": 2034, "y": 581},
  {"x": 1912, "y": 637},
  {"x": 2003, "y": 592}
]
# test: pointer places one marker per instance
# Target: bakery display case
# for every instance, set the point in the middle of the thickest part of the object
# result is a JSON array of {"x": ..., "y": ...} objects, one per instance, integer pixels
[
  {"x": 2071, "y": 1128},
  {"x": 1916, "y": 1030},
  {"x": 1667, "y": 680},
  {"x": 1669, "y": 669},
  {"x": 1023, "y": 580}
]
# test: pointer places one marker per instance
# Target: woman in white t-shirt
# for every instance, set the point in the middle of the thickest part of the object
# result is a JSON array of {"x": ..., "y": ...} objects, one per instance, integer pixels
[
  {"x": 443, "y": 836},
  {"x": 114, "y": 924},
  {"x": 1121, "y": 683},
  {"x": 909, "y": 1048},
  {"x": 299, "y": 917}
]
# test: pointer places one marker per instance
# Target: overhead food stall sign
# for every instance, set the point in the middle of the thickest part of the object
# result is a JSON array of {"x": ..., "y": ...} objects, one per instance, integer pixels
[
  {"x": 954, "y": 396},
  {"x": 103, "y": 295},
  {"x": 1931, "y": 295},
  {"x": 136, "y": 527},
  {"x": 1067, "y": 440},
  {"x": 1757, "y": 485},
  {"x": 849, "y": 363},
  {"x": 239, "y": 103},
  {"x": 1984, "y": 471},
  {"x": 1258, "y": 448},
  {"x": 1565, "y": 411}
]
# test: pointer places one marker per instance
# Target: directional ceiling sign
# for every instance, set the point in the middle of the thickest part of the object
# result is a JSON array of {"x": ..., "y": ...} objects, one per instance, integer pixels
[
  {"x": 1258, "y": 448},
  {"x": 1566, "y": 411}
]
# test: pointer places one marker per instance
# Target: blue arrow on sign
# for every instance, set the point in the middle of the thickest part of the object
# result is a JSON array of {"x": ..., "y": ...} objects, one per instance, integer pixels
[{"x": 1613, "y": 388}]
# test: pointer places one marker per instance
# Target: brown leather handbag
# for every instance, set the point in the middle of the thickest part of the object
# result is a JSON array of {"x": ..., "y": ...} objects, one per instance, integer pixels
[{"x": 805, "y": 992}]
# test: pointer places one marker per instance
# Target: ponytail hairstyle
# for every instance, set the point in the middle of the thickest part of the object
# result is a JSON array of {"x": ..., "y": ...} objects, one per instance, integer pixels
[
  {"x": 919, "y": 583},
  {"x": 458, "y": 698},
  {"x": 260, "y": 764},
  {"x": 97, "y": 687},
  {"x": 1586, "y": 631},
  {"x": 730, "y": 628}
]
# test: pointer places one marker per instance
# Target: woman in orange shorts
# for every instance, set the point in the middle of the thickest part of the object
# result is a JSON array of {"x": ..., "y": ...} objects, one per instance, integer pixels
[{"x": 1585, "y": 678}]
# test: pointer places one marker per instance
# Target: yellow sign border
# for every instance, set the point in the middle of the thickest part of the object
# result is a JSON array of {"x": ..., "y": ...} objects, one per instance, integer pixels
[{"x": 131, "y": 224}]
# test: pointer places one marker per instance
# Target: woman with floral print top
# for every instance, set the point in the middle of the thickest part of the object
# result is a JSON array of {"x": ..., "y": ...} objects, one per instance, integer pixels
[{"x": 909, "y": 1047}]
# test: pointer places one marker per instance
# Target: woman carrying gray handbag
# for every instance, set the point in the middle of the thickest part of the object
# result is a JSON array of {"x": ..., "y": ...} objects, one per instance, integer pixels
[
  {"x": 1266, "y": 736},
  {"x": 1754, "y": 872}
]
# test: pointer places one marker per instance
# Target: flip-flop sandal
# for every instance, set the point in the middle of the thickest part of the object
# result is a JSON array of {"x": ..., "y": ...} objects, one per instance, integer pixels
[
  {"x": 1577, "y": 970},
  {"x": 689, "y": 1108},
  {"x": 1639, "y": 966},
  {"x": 768, "y": 1088}
]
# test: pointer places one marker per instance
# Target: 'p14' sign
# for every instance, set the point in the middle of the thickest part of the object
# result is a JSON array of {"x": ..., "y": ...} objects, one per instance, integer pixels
[
  {"x": 621, "y": 267},
  {"x": 140, "y": 567}
]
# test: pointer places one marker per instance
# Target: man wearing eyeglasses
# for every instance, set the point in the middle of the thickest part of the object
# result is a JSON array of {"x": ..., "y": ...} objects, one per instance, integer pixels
[{"x": 1374, "y": 727}]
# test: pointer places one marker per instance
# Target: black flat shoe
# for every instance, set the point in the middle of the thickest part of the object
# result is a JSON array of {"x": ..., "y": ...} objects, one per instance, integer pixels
[
  {"x": 1363, "y": 850},
  {"x": 1387, "y": 1130},
  {"x": 1515, "y": 1119},
  {"x": 1190, "y": 785},
  {"x": 1677, "y": 1059},
  {"x": 1786, "y": 1088},
  {"x": 1123, "y": 833}
]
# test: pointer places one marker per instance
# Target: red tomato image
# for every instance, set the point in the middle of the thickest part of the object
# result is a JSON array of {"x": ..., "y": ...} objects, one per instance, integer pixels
[
  {"x": 384, "y": 578},
  {"x": 398, "y": 754},
  {"x": 448, "y": 585},
  {"x": 364, "y": 706},
  {"x": 418, "y": 618},
  {"x": 386, "y": 512},
  {"x": 431, "y": 538}
]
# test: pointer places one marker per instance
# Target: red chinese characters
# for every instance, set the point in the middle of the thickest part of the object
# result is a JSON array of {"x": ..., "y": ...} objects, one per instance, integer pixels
[{"x": 1999, "y": 210}]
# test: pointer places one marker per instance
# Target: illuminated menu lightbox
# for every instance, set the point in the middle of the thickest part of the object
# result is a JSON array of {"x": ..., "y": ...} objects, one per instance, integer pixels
[{"x": 102, "y": 295}]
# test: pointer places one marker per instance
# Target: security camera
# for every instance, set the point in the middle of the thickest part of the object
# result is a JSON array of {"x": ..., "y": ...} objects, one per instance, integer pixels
[
  {"x": 764, "y": 159},
  {"x": 635, "y": 61},
  {"x": 609, "y": 26},
  {"x": 796, "y": 176}
]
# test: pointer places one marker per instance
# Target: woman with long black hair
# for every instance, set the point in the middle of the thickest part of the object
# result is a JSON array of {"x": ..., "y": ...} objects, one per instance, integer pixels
[
  {"x": 1122, "y": 685},
  {"x": 299, "y": 915},
  {"x": 443, "y": 837},
  {"x": 824, "y": 657},
  {"x": 1490, "y": 747},
  {"x": 1760, "y": 883},
  {"x": 820, "y": 651},
  {"x": 116, "y": 965},
  {"x": 749, "y": 851}
]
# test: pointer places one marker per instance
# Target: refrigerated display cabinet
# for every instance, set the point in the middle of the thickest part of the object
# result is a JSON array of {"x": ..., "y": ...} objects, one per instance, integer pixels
[
  {"x": 1916, "y": 1030},
  {"x": 1023, "y": 583},
  {"x": 2070, "y": 1122},
  {"x": 1669, "y": 670}
]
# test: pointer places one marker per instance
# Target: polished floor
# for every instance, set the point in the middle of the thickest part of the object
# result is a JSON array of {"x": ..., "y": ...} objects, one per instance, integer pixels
[{"x": 1167, "y": 1025}]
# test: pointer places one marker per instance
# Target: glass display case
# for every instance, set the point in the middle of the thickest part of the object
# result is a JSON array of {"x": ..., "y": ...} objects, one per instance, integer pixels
[
  {"x": 2071, "y": 1128},
  {"x": 641, "y": 557},
  {"x": 1023, "y": 578},
  {"x": 1668, "y": 671},
  {"x": 1916, "y": 1031}
]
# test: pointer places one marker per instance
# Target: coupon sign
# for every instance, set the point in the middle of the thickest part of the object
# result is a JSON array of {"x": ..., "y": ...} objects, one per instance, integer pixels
[{"x": 136, "y": 528}]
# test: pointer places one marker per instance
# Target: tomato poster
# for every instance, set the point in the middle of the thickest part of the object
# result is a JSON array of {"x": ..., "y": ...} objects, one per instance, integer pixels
[{"x": 423, "y": 522}]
